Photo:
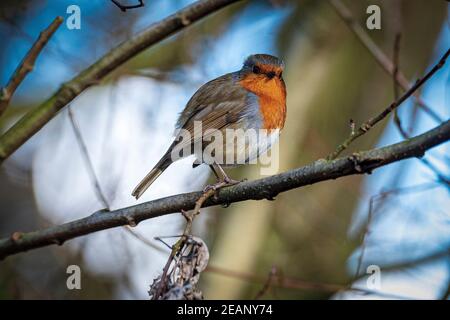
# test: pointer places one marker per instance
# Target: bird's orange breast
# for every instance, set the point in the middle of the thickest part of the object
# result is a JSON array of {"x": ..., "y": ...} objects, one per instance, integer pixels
[{"x": 271, "y": 97}]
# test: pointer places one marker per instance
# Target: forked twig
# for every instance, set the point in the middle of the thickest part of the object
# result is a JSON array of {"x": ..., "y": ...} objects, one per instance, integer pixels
[
  {"x": 180, "y": 244},
  {"x": 27, "y": 64},
  {"x": 397, "y": 120},
  {"x": 366, "y": 126},
  {"x": 382, "y": 59}
]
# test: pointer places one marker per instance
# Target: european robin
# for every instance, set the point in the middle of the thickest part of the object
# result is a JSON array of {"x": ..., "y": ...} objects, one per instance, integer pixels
[{"x": 251, "y": 98}]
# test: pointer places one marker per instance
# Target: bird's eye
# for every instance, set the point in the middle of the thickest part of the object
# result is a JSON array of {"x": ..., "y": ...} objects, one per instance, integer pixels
[
  {"x": 256, "y": 70},
  {"x": 271, "y": 74}
]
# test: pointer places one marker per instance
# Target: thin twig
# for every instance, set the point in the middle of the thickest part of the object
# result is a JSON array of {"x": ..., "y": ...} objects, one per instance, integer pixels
[
  {"x": 87, "y": 160},
  {"x": 445, "y": 295},
  {"x": 382, "y": 59},
  {"x": 142, "y": 238},
  {"x": 27, "y": 64},
  {"x": 177, "y": 249},
  {"x": 365, "y": 292},
  {"x": 416, "y": 261},
  {"x": 441, "y": 177},
  {"x": 373, "y": 209},
  {"x": 266, "y": 188},
  {"x": 364, "y": 240},
  {"x": 36, "y": 118},
  {"x": 91, "y": 171},
  {"x": 298, "y": 284},
  {"x": 267, "y": 284},
  {"x": 127, "y": 7},
  {"x": 95, "y": 181},
  {"x": 277, "y": 280},
  {"x": 397, "y": 120},
  {"x": 366, "y": 126},
  {"x": 395, "y": 81}
]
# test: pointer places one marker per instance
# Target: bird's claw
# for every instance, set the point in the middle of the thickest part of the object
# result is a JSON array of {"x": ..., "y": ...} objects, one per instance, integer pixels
[
  {"x": 221, "y": 184},
  {"x": 216, "y": 186},
  {"x": 231, "y": 182}
]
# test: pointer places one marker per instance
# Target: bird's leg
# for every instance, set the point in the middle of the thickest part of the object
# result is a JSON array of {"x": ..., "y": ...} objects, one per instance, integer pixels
[
  {"x": 214, "y": 171},
  {"x": 223, "y": 180},
  {"x": 224, "y": 175}
]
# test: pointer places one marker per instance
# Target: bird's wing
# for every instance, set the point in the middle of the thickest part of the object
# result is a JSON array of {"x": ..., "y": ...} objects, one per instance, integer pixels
[{"x": 219, "y": 104}]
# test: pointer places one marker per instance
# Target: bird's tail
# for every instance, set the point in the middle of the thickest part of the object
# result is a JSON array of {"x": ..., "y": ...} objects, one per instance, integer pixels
[{"x": 159, "y": 168}]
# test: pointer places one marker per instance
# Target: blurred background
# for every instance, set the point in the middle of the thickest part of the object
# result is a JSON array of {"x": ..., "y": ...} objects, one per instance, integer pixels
[{"x": 319, "y": 240}]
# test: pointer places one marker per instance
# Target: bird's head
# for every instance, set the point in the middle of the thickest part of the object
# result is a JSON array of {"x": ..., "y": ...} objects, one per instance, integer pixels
[
  {"x": 262, "y": 74},
  {"x": 263, "y": 66}
]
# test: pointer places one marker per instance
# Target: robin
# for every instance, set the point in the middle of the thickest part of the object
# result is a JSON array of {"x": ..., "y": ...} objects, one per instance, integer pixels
[{"x": 251, "y": 98}]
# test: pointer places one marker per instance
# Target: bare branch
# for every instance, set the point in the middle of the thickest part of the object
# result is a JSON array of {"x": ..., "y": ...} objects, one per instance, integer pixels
[
  {"x": 27, "y": 64},
  {"x": 374, "y": 206},
  {"x": 382, "y": 59},
  {"x": 397, "y": 120},
  {"x": 181, "y": 243},
  {"x": 445, "y": 295},
  {"x": 435, "y": 255},
  {"x": 267, "y": 284},
  {"x": 34, "y": 120},
  {"x": 87, "y": 160},
  {"x": 278, "y": 280},
  {"x": 95, "y": 181},
  {"x": 366, "y": 126},
  {"x": 266, "y": 188}
]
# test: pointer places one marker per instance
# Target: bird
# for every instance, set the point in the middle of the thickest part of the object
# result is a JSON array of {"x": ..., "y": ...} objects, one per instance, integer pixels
[{"x": 253, "y": 97}]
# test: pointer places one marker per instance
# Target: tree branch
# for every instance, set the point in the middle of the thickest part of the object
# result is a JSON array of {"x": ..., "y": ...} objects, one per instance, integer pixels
[
  {"x": 398, "y": 122},
  {"x": 278, "y": 280},
  {"x": 27, "y": 64},
  {"x": 34, "y": 120},
  {"x": 180, "y": 245},
  {"x": 382, "y": 59},
  {"x": 299, "y": 284},
  {"x": 366, "y": 126},
  {"x": 266, "y": 188}
]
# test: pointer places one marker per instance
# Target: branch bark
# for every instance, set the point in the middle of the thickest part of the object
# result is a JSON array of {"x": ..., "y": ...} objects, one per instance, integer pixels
[
  {"x": 27, "y": 64},
  {"x": 266, "y": 188},
  {"x": 34, "y": 120}
]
